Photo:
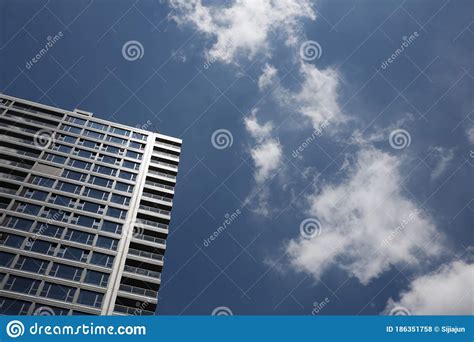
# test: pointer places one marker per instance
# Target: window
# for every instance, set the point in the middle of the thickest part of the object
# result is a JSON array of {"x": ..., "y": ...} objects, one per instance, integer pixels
[
  {"x": 49, "y": 230},
  {"x": 120, "y": 131},
  {"x": 96, "y": 278},
  {"x": 80, "y": 164},
  {"x": 54, "y": 158},
  {"x": 120, "y": 199},
  {"x": 55, "y": 291},
  {"x": 95, "y": 135},
  {"x": 13, "y": 307},
  {"x": 105, "y": 170},
  {"x": 127, "y": 175},
  {"x": 27, "y": 208},
  {"x": 84, "y": 154},
  {"x": 22, "y": 285},
  {"x": 77, "y": 121},
  {"x": 112, "y": 149},
  {"x": 6, "y": 260},
  {"x": 87, "y": 221},
  {"x": 116, "y": 140},
  {"x": 89, "y": 144},
  {"x": 71, "y": 129},
  {"x": 131, "y": 165},
  {"x": 66, "y": 272},
  {"x": 31, "y": 265},
  {"x": 42, "y": 181},
  {"x": 40, "y": 246},
  {"x": 138, "y": 136},
  {"x": 106, "y": 242},
  {"x": 99, "y": 181},
  {"x": 19, "y": 223},
  {"x": 74, "y": 175},
  {"x": 101, "y": 259},
  {"x": 90, "y": 298},
  {"x": 97, "y": 194},
  {"x": 11, "y": 240},
  {"x": 66, "y": 138},
  {"x": 96, "y": 125},
  {"x": 72, "y": 253},
  {"x": 61, "y": 148},
  {"x": 35, "y": 194},
  {"x": 109, "y": 160},
  {"x": 124, "y": 187},
  {"x": 68, "y": 187},
  {"x": 91, "y": 207},
  {"x": 134, "y": 155},
  {"x": 117, "y": 213},
  {"x": 111, "y": 227},
  {"x": 55, "y": 214},
  {"x": 62, "y": 200},
  {"x": 137, "y": 145},
  {"x": 79, "y": 237}
]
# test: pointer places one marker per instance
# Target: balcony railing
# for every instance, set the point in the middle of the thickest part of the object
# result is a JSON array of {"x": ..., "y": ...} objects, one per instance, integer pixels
[
  {"x": 138, "y": 290},
  {"x": 150, "y": 238},
  {"x": 142, "y": 271},
  {"x": 159, "y": 143},
  {"x": 152, "y": 223},
  {"x": 161, "y": 153},
  {"x": 158, "y": 197},
  {"x": 159, "y": 185},
  {"x": 155, "y": 210},
  {"x": 132, "y": 311},
  {"x": 162, "y": 174},
  {"x": 145, "y": 254},
  {"x": 164, "y": 164}
]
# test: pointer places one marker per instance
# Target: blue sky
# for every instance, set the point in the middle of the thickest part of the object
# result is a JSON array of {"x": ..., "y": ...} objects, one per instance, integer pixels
[{"x": 390, "y": 221}]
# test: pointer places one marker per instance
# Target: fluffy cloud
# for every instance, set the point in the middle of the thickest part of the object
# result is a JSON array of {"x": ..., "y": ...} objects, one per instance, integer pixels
[
  {"x": 267, "y": 153},
  {"x": 368, "y": 225},
  {"x": 470, "y": 135},
  {"x": 447, "y": 291},
  {"x": 443, "y": 157},
  {"x": 244, "y": 27},
  {"x": 317, "y": 98},
  {"x": 267, "y": 77}
]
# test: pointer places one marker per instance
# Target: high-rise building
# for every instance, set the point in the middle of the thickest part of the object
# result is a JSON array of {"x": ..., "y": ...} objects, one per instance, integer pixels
[{"x": 84, "y": 212}]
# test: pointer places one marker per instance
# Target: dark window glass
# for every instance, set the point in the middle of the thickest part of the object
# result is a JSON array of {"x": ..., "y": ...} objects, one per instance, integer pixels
[
  {"x": 106, "y": 242},
  {"x": 56, "y": 291},
  {"x": 101, "y": 259},
  {"x": 96, "y": 278},
  {"x": 90, "y": 298},
  {"x": 112, "y": 227},
  {"x": 22, "y": 285},
  {"x": 42, "y": 181},
  {"x": 31, "y": 265},
  {"x": 11, "y": 240},
  {"x": 66, "y": 272},
  {"x": 6, "y": 259}
]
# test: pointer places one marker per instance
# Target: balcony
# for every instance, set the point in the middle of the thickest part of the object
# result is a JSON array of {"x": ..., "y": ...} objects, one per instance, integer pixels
[
  {"x": 155, "y": 210},
  {"x": 145, "y": 254},
  {"x": 151, "y": 224},
  {"x": 138, "y": 291},
  {"x": 142, "y": 271},
  {"x": 162, "y": 174},
  {"x": 174, "y": 167},
  {"x": 159, "y": 185},
  {"x": 132, "y": 311},
  {"x": 158, "y": 197}
]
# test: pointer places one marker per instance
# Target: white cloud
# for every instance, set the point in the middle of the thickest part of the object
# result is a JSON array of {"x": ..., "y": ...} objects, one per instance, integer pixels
[
  {"x": 368, "y": 225},
  {"x": 447, "y": 291},
  {"x": 267, "y": 153},
  {"x": 443, "y": 157},
  {"x": 244, "y": 27},
  {"x": 267, "y": 77}
]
